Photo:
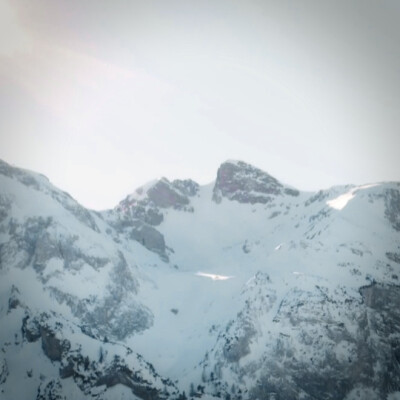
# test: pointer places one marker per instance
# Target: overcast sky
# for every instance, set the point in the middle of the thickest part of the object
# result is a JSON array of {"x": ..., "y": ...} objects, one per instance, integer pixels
[{"x": 102, "y": 96}]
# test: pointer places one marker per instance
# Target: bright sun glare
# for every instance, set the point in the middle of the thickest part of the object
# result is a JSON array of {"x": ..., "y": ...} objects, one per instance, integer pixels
[{"x": 214, "y": 277}]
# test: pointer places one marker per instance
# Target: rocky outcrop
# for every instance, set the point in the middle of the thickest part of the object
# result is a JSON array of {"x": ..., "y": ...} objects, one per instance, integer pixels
[
  {"x": 5, "y": 206},
  {"x": 36, "y": 243},
  {"x": 244, "y": 183},
  {"x": 149, "y": 237},
  {"x": 395, "y": 257},
  {"x": 146, "y": 204},
  {"x": 3, "y": 370},
  {"x": 329, "y": 345},
  {"x": 52, "y": 346},
  {"x": 50, "y": 390},
  {"x": 31, "y": 328},
  {"x": 117, "y": 314},
  {"x": 35, "y": 328},
  {"x": 164, "y": 195},
  {"x": 14, "y": 300},
  {"x": 119, "y": 373},
  {"x": 235, "y": 340},
  {"x": 186, "y": 187},
  {"x": 90, "y": 374},
  {"x": 134, "y": 227},
  {"x": 137, "y": 216},
  {"x": 320, "y": 196},
  {"x": 392, "y": 207},
  {"x": 148, "y": 215},
  {"x": 114, "y": 313}
]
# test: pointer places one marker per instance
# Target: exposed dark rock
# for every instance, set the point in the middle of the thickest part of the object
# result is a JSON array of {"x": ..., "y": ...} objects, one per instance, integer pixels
[
  {"x": 67, "y": 368},
  {"x": 319, "y": 357},
  {"x": 52, "y": 346},
  {"x": 77, "y": 210},
  {"x": 36, "y": 244},
  {"x": 34, "y": 328},
  {"x": 239, "y": 346},
  {"x": 152, "y": 216},
  {"x": 246, "y": 248},
  {"x": 34, "y": 240},
  {"x": 122, "y": 278},
  {"x": 31, "y": 328},
  {"x": 395, "y": 257},
  {"x": 89, "y": 374},
  {"x": 50, "y": 390},
  {"x": 291, "y": 192},
  {"x": 239, "y": 333},
  {"x": 392, "y": 207},
  {"x": 5, "y": 206},
  {"x": 117, "y": 314},
  {"x": 274, "y": 214},
  {"x": 108, "y": 316},
  {"x": 3, "y": 370},
  {"x": 163, "y": 195},
  {"x": 119, "y": 373},
  {"x": 14, "y": 301},
  {"x": 383, "y": 299},
  {"x": 187, "y": 187},
  {"x": 149, "y": 237},
  {"x": 142, "y": 211},
  {"x": 319, "y": 196},
  {"x": 322, "y": 214},
  {"x": 137, "y": 215},
  {"x": 244, "y": 183}
]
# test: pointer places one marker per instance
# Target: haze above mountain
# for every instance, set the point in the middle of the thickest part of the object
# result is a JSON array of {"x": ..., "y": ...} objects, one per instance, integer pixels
[{"x": 129, "y": 91}]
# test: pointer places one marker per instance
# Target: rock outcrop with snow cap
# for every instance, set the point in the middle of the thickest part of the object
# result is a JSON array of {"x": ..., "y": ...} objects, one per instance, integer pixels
[
  {"x": 147, "y": 202},
  {"x": 138, "y": 215},
  {"x": 244, "y": 183}
]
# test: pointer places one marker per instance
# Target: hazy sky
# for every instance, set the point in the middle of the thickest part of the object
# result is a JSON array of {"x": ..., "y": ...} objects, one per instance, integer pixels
[{"x": 102, "y": 96}]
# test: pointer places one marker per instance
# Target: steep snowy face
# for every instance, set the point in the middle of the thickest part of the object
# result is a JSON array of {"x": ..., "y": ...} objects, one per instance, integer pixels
[
  {"x": 244, "y": 183},
  {"x": 67, "y": 249},
  {"x": 241, "y": 289},
  {"x": 68, "y": 293}
]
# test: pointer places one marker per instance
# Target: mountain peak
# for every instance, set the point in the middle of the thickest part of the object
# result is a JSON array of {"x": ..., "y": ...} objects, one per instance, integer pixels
[
  {"x": 164, "y": 193},
  {"x": 148, "y": 200},
  {"x": 245, "y": 183}
]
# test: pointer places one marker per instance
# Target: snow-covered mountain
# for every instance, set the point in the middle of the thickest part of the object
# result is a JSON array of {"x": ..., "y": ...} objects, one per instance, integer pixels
[{"x": 241, "y": 289}]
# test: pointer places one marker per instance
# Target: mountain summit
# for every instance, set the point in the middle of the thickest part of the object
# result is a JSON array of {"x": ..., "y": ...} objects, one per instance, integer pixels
[
  {"x": 241, "y": 289},
  {"x": 239, "y": 181}
]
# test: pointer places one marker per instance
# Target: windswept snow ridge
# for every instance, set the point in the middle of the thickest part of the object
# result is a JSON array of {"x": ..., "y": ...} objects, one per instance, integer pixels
[{"x": 341, "y": 201}]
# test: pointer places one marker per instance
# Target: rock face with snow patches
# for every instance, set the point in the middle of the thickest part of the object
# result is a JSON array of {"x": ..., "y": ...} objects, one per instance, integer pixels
[
  {"x": 139, "y": 213},
  {"x": 241, "y": 289},
  {"x": 239, "y": 181}
]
